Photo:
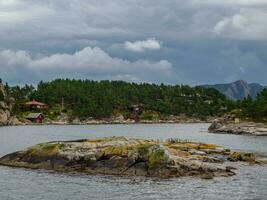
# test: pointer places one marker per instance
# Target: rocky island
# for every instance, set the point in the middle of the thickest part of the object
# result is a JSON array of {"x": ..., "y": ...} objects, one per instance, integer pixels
[
  {"x": 240, "y": 128},
  {"x": 130, "y": 157}
]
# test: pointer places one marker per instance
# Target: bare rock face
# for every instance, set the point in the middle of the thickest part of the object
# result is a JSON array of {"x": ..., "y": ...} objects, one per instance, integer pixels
[
  {"x": 215, "y": 125},
  {"x": 238, "y": 90},
  {"x": 3, "y": 116},
  {"x": 131, "y": 157},
  {"x": 6, "y": 104},
  {"x": 4, "y": 107}
]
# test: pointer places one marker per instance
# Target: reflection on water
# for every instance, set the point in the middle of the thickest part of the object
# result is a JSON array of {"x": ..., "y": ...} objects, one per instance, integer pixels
[{"x": 19, "y": 184}]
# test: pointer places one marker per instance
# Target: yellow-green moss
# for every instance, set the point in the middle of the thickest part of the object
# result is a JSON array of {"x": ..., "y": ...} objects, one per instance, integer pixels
[
  {"x": 207, "y": 146},
  {"x": 242, "y": 156},
  {"x": 47, "y": 149},
  {"x": 143, "y": 149},
  {"x": 105, "y": 139},
  {"x": 156, "y": 158},
  {"x": 177, "y": 152},
  {"x": 191, "y": 145},
  {"x": 116, "y": 150}
]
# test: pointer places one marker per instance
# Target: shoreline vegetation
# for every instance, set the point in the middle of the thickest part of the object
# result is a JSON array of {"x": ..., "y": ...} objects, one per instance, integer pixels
[
  {"x": 66, "y": 101},
  {"x": 122, "y": 156},
  {"x": 83, "y": 100}
]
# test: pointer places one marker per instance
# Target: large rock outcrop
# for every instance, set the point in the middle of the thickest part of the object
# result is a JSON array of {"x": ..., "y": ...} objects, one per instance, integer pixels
[
  {"x": 5, "y": 107},
  {"x": 132, "y": 157},
  {"x": 244, "y": 128}
]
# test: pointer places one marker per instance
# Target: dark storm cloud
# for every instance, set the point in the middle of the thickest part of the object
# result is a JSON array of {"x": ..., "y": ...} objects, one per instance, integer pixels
[{"x": 193, "y": 41}]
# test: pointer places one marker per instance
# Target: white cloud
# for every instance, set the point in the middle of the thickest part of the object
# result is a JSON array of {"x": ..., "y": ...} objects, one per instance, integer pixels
[
  {"x": 141, "y": 46},
  {"x": 86, "y": 63},
  {"x": 237, "y": 22},
  {"x": 232, "y": 2},
  {"x": 247, "y": 24}
]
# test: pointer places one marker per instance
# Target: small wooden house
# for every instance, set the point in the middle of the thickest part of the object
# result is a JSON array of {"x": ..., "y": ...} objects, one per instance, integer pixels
[
  {"x": 35, "y": 105},
  {"x": 137, "y": 110},
  {"x": 36, "y": 117}
]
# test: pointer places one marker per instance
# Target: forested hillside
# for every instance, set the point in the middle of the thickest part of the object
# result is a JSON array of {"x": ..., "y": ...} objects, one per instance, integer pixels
[
  {"x": 253, "y": 110},
  {"x": 85, "y": 98}
]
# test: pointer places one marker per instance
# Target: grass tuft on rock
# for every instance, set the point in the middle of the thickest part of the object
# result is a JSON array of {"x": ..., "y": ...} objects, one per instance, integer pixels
[{"x": 157, "y": 158}]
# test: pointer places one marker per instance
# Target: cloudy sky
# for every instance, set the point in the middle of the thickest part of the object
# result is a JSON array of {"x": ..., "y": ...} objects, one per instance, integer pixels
[{"x": 171, "y": 41}]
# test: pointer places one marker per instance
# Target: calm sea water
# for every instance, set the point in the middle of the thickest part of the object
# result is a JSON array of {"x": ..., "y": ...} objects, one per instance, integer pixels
[{"x": 21, "y": 184}]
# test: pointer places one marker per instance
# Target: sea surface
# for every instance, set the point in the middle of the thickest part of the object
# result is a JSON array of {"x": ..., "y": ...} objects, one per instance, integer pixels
[{"x": 250, "y": 183}]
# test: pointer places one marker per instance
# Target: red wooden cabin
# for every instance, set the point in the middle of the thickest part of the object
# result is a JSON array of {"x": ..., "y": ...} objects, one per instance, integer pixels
[
  {"x": 34, "y": 105},
  {"x": 36, "y": 117}
]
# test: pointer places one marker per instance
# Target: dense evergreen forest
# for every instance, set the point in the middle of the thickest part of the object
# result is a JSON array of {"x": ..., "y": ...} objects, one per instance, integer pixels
[
  {"x": 253, "y": 110},
  {"x": 103, "y": 99}
]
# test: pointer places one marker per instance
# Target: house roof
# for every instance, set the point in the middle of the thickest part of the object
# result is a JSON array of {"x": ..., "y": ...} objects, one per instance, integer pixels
[
  {"x": 33, "y": 115},
  {"x": 33, "y": 102}
]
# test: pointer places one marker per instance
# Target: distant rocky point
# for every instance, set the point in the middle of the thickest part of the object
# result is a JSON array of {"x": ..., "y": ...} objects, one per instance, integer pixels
[
  {"x": 238, "y": 90},
  {"x": 242, "y": 128},
  {"x": 131, "y": 157}
]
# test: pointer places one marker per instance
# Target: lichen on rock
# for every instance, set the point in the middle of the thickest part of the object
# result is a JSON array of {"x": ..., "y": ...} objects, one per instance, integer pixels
[{"x": 242, "y": 156}]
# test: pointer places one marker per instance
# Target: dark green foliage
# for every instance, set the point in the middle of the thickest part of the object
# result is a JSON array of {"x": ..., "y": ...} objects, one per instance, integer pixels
[
  {"x": 255, "y": 110},
  {"x": 2, "y": 97},
  {"x": 85, "y": 98},
  {"x": 2, "y": 91},
  {"x": 21, "y": 95}
]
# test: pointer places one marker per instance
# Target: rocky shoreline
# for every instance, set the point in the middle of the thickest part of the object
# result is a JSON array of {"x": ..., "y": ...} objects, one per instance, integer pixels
[
  {"x": 64, "y": 120},
  {"x": 242, "y": 128},
  {"x": 122, "y": 156},
  {"x": 15, "y": 122}
]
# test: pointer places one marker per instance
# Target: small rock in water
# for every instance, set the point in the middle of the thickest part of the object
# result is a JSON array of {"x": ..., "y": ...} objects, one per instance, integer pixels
[
  {"x": 230, "y": 168},
  {"x": 207, "y": 176}
]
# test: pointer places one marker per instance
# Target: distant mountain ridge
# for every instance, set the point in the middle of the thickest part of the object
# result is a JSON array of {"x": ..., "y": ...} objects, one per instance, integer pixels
[{"x": 238, "y": 90}]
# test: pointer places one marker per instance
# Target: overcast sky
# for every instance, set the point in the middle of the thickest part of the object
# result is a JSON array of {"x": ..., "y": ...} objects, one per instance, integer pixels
[{"x": 170, "y": 41}]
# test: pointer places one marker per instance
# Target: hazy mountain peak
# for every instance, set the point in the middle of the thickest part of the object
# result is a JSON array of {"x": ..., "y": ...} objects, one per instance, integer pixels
[
  {"x": 238, "y": 90},
  {"x": 241, "y": 82}
]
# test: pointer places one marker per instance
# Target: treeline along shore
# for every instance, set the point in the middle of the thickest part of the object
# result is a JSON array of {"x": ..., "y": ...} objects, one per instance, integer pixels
[{"x": 85, "y": 100}]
